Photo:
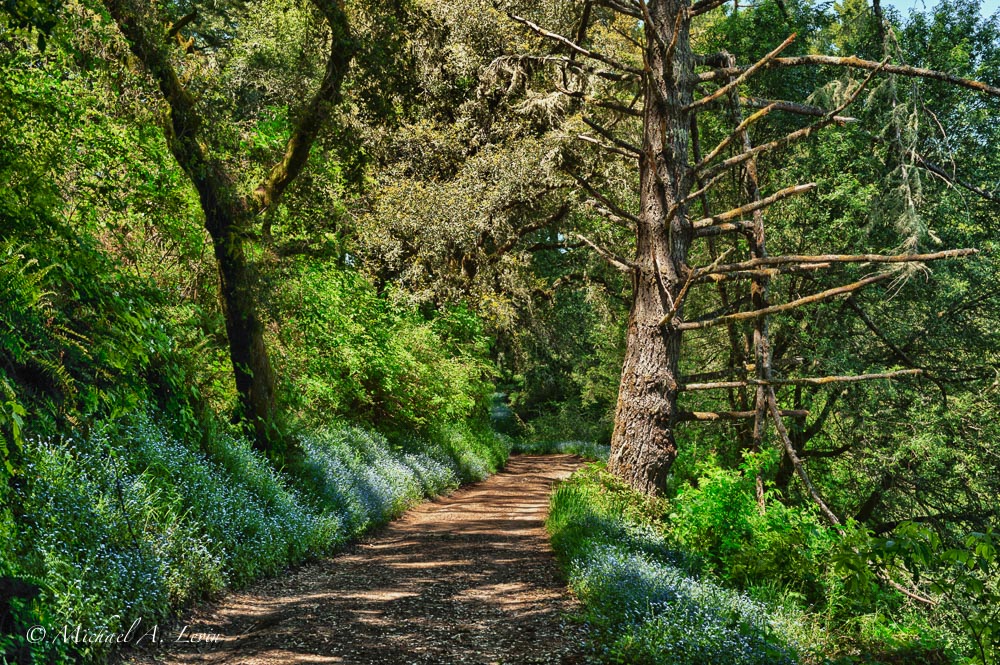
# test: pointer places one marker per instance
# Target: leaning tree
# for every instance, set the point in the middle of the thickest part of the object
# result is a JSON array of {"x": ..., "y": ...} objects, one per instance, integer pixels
[
  {"x": 174, "y": 50},
  {"x": 672, "y": 89}
]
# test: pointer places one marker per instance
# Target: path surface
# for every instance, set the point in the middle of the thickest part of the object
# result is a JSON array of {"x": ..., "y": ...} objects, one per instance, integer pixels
[{"x": 468, "y": 578}]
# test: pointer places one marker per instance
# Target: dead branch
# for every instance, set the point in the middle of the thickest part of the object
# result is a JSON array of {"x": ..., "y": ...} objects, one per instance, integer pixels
[
  {"x": 858, "y": 63},
  {"x": 755, "y": 205},
  {"x": 843, "y": 258},
  {"x": 937, "y": 170},
  {"x": 679, "y": 300},
  {"x": 792, "y": 137},
  {"x": 796, "y": 462},
  {"x": 606, "y": 133},
  {"x": 793, "y": 107},
  {"x": 613, "y": 259},
  {"x": 542, "y": 32},
  {"x": 703, "y": 189},
  {"x": 785, "y": 363},
  {"x": 809, "y": 381},
  {"x": 794, "y": 304},
  {"x": 743, "y": 76},
  {"x": 688, "y": 416},
  {"x": 604, "y": 146},
  {"x": 626, "y": 224},
  {"x": 763, "y": 272},
  {"x": 722, "y": 229},
  {"x": 530, "y": 228},
  {"x": 593, "y": 191},
  {"x": 736, "y": 133}
]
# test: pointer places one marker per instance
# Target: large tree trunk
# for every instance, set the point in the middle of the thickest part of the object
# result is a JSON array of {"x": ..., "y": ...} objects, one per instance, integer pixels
[{"x": 642, "y": 445}]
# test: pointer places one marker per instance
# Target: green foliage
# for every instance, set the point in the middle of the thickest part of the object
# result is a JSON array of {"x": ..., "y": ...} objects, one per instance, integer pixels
[
  {"x": 642, "y": 601},
  {"x": 133, "y": 522},
  {"x": 585, "y": 449},
  {"x": 964, "y": 578},
  {"x": 347, "y": 351}
]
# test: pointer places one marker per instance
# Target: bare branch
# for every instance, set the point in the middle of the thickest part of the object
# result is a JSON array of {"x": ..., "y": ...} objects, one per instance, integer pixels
[
  {"x": 539, "y": 30},
  {"x": 796, "y": 462},
  {"x": 743, "y": 76},
  {"x": 762, "y": 272},
  {"x": 906, "y": 592},
  {"x": 705, "y": 186},
  {"x": 600, "y": 103},
  {"x": 756, "y": 205},
  {"x": 616, "y": 261},
  {"x": 614, "y": 207},
  {"x": 736, "y": 133},
  {"x": 797, "y": 135},
  {"x": 794, "y": 107},
  {"x": 853, "y": 304},
  {"x": 626, "y": 224},
  {"x": 844, "y": 258},
  {"x": 785, "y": 363},
  {"x": 687, "y": 416},
  {"x": 604, "y": 146},
  {"x": 722, "y": 229},
  {"x": 606, "y": 133},
  {"x": 692, "y": 274},
  {"x": 530, "y": 228},
  {"x": 809, "y": 381},
  {"x": 794, "y": 304},
  {"x": 858, "y": 63},
  {"x": 937, "y": 170}
]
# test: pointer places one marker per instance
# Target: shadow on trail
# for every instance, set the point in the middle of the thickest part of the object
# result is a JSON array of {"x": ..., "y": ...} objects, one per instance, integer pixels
[{"x": 468, "y": 578}]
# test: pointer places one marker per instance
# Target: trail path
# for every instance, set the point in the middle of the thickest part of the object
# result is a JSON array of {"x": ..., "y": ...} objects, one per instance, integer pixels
[{"x": 468, "y": 578}]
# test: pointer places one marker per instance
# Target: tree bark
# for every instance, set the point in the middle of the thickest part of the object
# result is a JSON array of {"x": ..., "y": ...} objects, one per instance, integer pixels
[{"x": 642, "y": 444}]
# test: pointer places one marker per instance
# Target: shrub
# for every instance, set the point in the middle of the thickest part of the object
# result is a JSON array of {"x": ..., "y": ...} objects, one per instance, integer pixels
[
  {"x": 346, "y": 351},
  {"x": 641, "y": 598}
]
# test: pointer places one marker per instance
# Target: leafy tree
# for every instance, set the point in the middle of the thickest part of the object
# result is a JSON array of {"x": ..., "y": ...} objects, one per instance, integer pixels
[{"x": 228, "y": 212}]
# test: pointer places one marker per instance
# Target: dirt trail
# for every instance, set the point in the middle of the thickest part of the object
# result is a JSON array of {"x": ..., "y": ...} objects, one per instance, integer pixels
[{"x": 468, "y": 578}]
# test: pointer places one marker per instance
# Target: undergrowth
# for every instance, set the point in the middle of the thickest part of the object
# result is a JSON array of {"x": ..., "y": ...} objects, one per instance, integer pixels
[
  {"x": 642, "y": 599},
  {"x": 131, "y": 522},
  {"x": 586, "y": 449}
]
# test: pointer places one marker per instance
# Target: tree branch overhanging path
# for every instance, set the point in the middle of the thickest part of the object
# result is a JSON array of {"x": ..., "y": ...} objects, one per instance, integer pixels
[
  {"x": 676, "y": 86},
  {"x": 466, "y": 578}
]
